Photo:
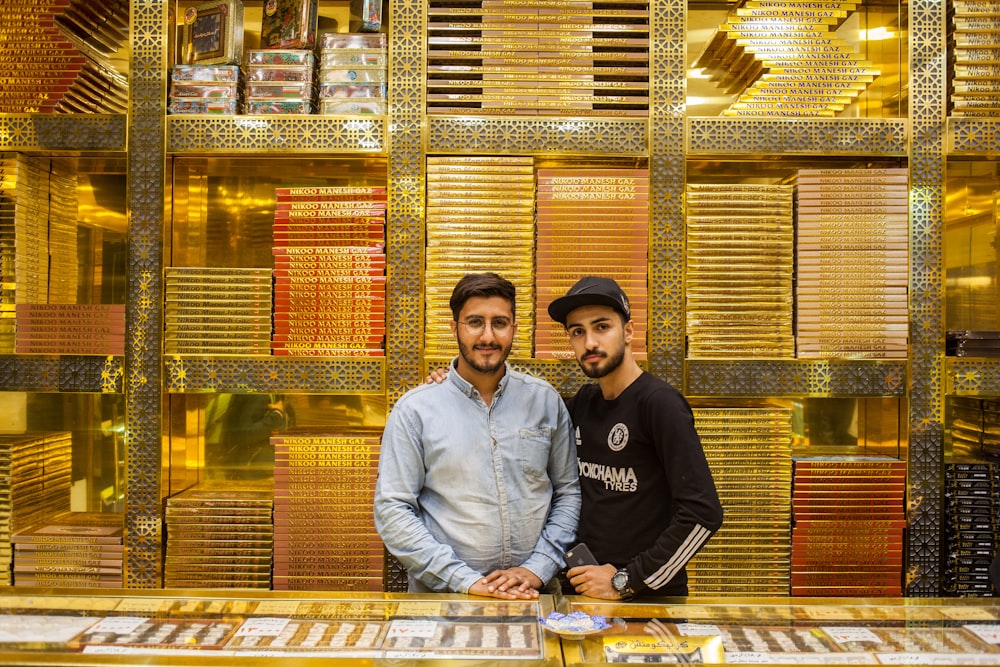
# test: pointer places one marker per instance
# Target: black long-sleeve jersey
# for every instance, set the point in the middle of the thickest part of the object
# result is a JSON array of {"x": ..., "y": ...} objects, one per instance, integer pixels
[{"x": 649, "y": 500}]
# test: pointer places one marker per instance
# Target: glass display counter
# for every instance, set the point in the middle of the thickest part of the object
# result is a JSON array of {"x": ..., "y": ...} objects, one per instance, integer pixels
[
  {"x": 227, "y": 627},
  {"x": 251, "y": 628},
  {"x": 792, "y": 631}
]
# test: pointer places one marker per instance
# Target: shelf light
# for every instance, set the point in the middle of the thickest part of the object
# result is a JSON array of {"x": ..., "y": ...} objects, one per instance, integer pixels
[{"x": 877, "y": 34}]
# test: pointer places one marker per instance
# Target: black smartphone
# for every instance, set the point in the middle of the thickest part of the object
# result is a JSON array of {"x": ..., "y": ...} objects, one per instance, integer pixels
[{"x": 579, "y": 555}]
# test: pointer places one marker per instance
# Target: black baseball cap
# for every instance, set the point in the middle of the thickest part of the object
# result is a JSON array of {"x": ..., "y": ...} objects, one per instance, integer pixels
[{"x": 590, "y": 291}]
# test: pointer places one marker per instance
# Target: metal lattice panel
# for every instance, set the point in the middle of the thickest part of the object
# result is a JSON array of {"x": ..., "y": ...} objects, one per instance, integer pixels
[
  {"x": 405, "y": 224},
  {"x": 146, "y": 178},
  {"x": 973, "y": 377},
  {"x": 63, "y": 132},
  {"x": 795, "y": 377},
  {"x": 248, "y": 374},
  {"x": 848, "y": 136},
  {"x": 666, "y": 188},
  {"x": 973, "y": 136},
  {"x": 68, "y": 373},
  {"x": 511, "y": 136},
  {"x": 299, "y": 134},
  {"x": 926, "y": 451}
]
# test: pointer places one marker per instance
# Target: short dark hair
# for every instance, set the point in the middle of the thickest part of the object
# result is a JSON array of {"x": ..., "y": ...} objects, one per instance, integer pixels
[{"x": 483, "y": 285}]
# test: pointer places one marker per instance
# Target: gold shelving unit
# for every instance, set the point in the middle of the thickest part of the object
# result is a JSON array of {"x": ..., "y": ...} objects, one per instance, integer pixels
[{"x": 667, "y": 140}]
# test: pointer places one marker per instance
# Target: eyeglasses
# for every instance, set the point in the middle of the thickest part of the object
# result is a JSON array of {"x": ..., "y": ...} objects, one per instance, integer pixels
[{"x": 476, "y": 325}]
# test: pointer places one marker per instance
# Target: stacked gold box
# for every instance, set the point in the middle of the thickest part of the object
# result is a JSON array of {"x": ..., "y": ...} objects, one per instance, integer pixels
[
  {"x": 787, "y": 59},
  {"x": 35, "y": 483},
  {"x": 849, "y": 521},
  {"x": 749, "y": 449},
  {"x": 41, "y": 476},
  {"x": 64, "y": 57},
  {"x": 329, "y": 271},
  {"x": 852, "y": 263},
  {"x": 24, "y": 235},
  {"x": 217, "y": 311},
  {"x": 535, "y": 57},
  {"x": 480, "y": 217},
  {"x": 591, "y": 222},
  {"x": 739, "y": 269},
  {"x": 71, "y": 549},
  {"x": 69, "y": 328},
  {"x": 219, "y": 537},
  {"x": 975, "y": 49},
  {"x": 324, "y": 531}
]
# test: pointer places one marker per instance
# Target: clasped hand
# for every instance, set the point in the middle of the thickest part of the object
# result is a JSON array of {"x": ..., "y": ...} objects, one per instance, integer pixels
[{"x": 516, "y": 583}]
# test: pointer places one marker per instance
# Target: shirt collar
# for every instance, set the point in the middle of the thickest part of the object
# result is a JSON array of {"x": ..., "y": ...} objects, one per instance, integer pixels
[{"x": 465, "y": 387}]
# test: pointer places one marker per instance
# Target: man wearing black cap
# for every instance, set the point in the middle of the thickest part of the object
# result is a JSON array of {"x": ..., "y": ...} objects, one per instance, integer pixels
[{"x": 649, "y": 500}]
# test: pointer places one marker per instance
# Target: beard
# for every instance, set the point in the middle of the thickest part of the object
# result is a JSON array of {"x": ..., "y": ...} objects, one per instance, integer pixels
[
  {"x": 485, "y": 368},
  {"x": 605, "y": 366}
]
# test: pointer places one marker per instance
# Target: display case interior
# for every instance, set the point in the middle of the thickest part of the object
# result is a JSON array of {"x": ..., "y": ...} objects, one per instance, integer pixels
[
  {"x": 735, "y": 60},
  {"x": 221, "y": 436},
  {"x": 970, "y": 242},
  {"x": 223, "y": 207},
  {"x": 266, "y": 628},
  {"x": 806, "y": 631}
]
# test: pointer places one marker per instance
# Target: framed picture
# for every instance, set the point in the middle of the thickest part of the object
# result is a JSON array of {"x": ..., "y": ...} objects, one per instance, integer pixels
[{"x": 213, "y": 33}]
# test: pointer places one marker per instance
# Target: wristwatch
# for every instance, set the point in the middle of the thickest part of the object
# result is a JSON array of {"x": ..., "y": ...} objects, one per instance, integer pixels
[{"x": 619, "y": 581}]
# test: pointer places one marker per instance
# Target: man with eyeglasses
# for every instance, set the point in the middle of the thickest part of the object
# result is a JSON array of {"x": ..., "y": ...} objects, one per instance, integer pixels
[{"x": 478, "y": 489}]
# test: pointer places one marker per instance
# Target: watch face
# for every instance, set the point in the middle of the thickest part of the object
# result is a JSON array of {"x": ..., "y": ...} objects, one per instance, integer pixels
[{"x": 619, "y": 580}]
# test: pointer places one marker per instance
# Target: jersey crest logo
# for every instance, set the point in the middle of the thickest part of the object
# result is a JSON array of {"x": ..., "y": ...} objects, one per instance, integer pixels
[{"x": 618, "y": 437}]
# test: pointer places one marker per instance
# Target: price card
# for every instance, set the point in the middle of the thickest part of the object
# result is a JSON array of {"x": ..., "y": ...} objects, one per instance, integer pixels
[
  {"x": 842, "y": 634},
  {"x": 698, "y": 629},
  {"x": 262, "y": 626},
  {"x": 901, "y": 659},
  {"x": 277, "y": 608},
  {"x": 969, "y": 613},
  {"x": 119, "y": 625},
  {"x": 415, "y": 608},
  {"x": 747, "y": 658},
  {"x": 412, "y": 628},
  {"x": 988, "y": 632},
  {"x": 406, "y": 655},
  {"x": 142, "y": 606}
]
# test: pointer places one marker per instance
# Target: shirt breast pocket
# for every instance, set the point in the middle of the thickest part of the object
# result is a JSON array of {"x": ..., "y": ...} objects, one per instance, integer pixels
[{"x": 534, "y": 444}]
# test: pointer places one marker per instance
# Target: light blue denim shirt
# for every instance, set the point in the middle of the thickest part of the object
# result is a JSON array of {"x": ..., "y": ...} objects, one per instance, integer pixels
[{"x": 465, "y": 488}]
